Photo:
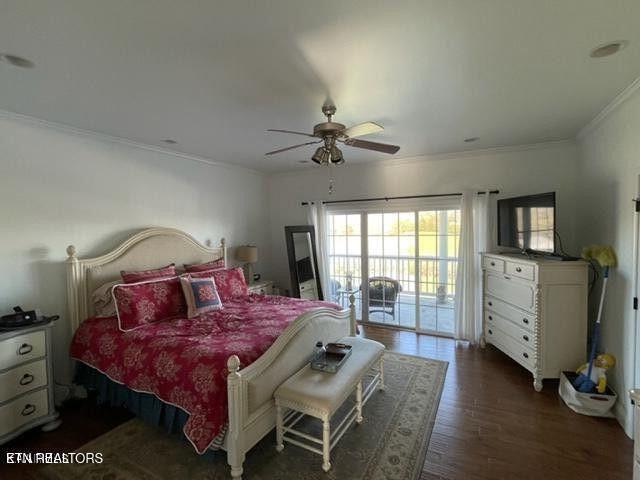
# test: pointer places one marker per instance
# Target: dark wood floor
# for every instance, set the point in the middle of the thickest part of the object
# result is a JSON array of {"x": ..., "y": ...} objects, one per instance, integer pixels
[{"x": 491, "y": 424}]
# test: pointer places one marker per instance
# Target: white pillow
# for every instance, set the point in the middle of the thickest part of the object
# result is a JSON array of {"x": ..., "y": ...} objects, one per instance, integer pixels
[{"x": 103, "y": 303}]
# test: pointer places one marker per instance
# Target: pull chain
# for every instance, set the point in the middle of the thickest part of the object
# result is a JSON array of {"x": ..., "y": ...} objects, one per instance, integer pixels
[{"x": 330, "y": 178}]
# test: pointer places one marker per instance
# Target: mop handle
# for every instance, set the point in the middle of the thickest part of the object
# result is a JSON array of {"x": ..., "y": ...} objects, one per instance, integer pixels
[{"x": 596, "y": 332}]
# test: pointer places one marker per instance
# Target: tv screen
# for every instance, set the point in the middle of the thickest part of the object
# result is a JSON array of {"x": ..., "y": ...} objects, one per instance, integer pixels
[{"x": 528, "y": 223}]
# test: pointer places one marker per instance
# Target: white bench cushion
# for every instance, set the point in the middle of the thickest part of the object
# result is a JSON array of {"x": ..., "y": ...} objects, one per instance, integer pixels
[{"x": 325, "y": 392}]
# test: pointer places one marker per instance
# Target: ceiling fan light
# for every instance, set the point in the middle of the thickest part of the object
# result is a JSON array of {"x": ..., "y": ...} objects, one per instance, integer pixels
[
  {"x": 320, "y": 156},
  {"x": 336, "y": 156}
]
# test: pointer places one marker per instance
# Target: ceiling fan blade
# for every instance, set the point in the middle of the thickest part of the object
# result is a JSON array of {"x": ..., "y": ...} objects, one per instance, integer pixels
[
  {"x": 291, "y": 148},
  {"x": 361, "y": 129},
  {"x": 378, "y": 147},
  {"x": 290, "y": 131}
]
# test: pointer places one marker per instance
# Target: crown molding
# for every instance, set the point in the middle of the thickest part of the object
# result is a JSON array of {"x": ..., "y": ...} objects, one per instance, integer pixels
[
  {"x": 611, "y": 107},
  {"x": 392, "y": 162},
  {"x": 64, "y": 128}
]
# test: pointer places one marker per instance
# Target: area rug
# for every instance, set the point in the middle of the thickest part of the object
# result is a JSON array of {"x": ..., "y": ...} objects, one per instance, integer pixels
[{"x": 390, "y": 444}]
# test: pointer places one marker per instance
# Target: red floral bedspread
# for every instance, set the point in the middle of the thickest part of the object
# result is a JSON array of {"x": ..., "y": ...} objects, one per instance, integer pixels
[{"x": 183, "y": 362}]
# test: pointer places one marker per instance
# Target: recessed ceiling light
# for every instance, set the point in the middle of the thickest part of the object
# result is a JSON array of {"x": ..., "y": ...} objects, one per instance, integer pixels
[
  {"x": 169, "y": 141},
  {"x": 16, "y": 61},
  {"x": 471, "y": 139},
  {"x": 608, "y": 49}
]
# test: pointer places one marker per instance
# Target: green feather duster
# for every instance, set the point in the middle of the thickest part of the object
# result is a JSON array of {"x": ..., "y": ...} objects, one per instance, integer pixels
[{"x": 605, "y": 255}]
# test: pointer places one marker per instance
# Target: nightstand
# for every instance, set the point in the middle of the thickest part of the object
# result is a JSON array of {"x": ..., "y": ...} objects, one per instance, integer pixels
[
  {"x": 26, "y": 381},
  {"x": 263, "y": 287}
]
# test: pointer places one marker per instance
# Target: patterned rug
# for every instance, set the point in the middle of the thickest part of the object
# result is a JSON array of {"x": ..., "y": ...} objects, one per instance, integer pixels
[{"x": 390, "y": 444}]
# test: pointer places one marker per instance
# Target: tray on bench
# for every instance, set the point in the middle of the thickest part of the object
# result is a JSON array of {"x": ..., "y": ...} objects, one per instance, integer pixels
[{"x": 332, "y": 358}]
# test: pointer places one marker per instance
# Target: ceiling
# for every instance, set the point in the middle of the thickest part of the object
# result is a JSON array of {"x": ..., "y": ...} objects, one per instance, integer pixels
[{"x": 215, "y": 75}]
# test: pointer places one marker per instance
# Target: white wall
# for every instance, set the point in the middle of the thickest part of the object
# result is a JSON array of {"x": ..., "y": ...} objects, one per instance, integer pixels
[
  {"x": 550, "y": 167},
  {"x": 610, "y": 164},
  {"x": 58, "y": 188}
]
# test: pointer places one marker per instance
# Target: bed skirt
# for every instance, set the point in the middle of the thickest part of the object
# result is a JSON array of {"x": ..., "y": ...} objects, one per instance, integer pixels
[{"x": 143, "y": 405}]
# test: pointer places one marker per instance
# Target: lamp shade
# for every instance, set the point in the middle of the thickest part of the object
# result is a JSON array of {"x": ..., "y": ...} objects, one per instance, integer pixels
[{"x": 247, "y": 253}]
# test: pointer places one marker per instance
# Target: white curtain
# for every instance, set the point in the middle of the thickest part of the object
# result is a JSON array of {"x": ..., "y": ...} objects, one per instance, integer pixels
[
  {"x": 476, "y": 236},
  {"x": 317, "y": 216}
]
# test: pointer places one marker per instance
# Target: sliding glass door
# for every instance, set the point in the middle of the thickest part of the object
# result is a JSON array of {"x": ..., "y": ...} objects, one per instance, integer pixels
[{"x": 401, "y": 265}]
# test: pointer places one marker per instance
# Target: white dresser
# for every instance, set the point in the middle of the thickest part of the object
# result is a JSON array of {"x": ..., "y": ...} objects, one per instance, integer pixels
[
  {"x": 26, "y": 381},
  {"x": 308, "y": 290},
  {"x": 535, "y": 311},
  {"x": 635, "y": 399}
]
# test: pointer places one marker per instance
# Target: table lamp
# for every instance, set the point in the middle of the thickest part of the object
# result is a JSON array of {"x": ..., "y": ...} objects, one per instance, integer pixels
[{"x": 248, "y": 254}]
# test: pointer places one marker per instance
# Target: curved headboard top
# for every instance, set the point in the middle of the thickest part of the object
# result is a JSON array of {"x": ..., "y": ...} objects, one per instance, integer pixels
[{"x": 150, "y": 248}]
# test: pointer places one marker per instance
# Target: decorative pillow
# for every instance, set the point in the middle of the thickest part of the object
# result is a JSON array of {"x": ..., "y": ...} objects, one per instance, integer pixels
[
  {"x": 103, "y": 304},
  {"x": 138, "y": 304},
  {"x": 204, "y": 273},
  {"x": 201, "y": 295},
  {"x": 230, "y": 283},
  {"x": 202, "y": 267},
  {"x": 146, "y": 275}
]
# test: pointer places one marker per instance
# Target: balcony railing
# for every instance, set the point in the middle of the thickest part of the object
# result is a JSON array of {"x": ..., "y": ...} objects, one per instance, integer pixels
[{"x": 437, "y": 274}]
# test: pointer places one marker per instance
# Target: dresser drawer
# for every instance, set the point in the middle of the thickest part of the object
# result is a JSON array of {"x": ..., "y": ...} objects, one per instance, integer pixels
[
  {"x": 520, "y": 270},
  {"x": 22, "y": 379},
  {"x": 520, "y": 335},
  {"x": 523, "y": 319},
  {"x": 23, "y": 410},
  {"x": 517, "y": 293},
  {"x": 493, "y": 264},
  {"x": 22, "y": 348},
  {"x": 521, "y": 354}
]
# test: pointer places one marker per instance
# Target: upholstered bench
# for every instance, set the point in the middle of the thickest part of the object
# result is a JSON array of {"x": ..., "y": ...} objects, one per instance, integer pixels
[{"x": 320, "y": 395}]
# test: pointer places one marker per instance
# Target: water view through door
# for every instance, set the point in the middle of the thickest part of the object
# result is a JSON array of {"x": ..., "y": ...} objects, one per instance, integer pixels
[{"x": 401, "y": 266}]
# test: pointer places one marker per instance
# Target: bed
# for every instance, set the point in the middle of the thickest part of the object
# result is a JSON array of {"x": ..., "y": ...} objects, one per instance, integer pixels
[{"x": 258, "y": 343}]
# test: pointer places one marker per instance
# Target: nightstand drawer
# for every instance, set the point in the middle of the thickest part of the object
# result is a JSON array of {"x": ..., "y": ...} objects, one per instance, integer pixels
[
  {"x": 23, "y": 410},
  {"x": 22, "y": 379},
  {"x": 20, "y": 349}
]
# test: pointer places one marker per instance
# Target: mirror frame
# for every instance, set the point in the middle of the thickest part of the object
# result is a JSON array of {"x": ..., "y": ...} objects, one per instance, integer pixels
[{"x": 295, "y": 286}]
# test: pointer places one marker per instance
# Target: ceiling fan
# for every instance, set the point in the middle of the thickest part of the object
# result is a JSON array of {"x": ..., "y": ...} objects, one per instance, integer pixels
[{"x": 330, "y": 133}]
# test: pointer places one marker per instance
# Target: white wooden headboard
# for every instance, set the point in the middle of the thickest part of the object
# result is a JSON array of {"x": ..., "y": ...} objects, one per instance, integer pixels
[{"x": 151, "y": 248}]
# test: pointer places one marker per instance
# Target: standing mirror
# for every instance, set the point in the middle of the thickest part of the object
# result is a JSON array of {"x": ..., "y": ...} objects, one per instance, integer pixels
[{"x": 303, "y": 262}]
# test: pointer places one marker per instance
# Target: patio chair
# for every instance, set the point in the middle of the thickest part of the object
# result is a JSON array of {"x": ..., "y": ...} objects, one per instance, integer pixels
[{"x": 383, "y": 293}]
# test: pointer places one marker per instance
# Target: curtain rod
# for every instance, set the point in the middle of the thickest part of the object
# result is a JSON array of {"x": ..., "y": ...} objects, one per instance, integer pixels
[{"x": 386, "y": 199}]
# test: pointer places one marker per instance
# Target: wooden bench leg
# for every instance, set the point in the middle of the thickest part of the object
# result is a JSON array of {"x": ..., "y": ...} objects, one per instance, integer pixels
[
  {"x": 279, "y": 429},
  {"x": 326, "y": 444},
  {"x": 381, "y": 366},
  {"x": 359, "y": 402}
]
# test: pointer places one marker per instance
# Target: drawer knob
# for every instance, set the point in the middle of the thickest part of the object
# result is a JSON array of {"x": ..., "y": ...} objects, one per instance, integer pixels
[
  {"x": 490, "y": 317},
  {"x": 490, "y": 304},
  {"x": 28, "y": 410},
  {"x": 26, "y": 379},
  {"x": 518, "y": 269},
  {"x": 24, "y": 349},
  {"x": 525, "y": 355},
  {"x": 490, "y": 332},
  {"x": 525, "y": 337},
  {"x": 525, "y": 320},
  {"x": 493, "y": 264}
]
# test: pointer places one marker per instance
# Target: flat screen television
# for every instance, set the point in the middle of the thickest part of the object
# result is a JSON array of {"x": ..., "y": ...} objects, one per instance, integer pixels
[{"x": 528, "y": 223}]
